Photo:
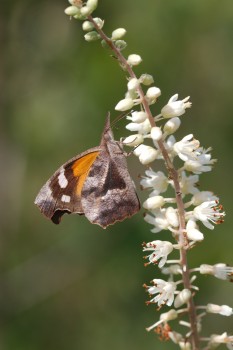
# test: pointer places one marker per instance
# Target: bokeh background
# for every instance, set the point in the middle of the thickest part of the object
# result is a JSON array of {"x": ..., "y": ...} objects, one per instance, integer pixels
[{"x": 76, "y": 286}]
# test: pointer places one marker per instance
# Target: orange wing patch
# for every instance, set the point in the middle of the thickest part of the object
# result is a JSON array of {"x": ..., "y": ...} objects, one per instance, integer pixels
[{"x": 81, "y": 168}]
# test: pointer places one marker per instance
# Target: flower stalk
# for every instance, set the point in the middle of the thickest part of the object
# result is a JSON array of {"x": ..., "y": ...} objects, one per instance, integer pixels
[
  {"x": 183, "y": 224},
  {"x": 173, "y": 175}
]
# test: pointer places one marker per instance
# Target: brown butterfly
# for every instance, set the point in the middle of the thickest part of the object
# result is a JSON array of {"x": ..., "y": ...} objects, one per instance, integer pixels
[{"x": 95, "y": 183}]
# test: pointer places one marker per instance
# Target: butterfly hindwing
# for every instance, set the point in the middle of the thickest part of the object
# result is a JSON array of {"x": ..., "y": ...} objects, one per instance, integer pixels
[{"x": 108, "y": 194}]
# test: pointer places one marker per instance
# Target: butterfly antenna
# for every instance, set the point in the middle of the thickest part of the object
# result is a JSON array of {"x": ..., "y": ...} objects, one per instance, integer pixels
[{"x": 118, "y": 118}]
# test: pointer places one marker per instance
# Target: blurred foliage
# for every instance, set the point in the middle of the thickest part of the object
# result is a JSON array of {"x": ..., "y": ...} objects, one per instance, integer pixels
[{"x": 77, "y": 286}]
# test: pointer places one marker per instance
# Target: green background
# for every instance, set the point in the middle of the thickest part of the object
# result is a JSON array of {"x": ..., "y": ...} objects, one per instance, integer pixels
[{"x": 76, "y": 286}]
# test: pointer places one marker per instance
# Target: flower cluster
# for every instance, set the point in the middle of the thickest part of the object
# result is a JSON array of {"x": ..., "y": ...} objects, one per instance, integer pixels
[{"x": 184, "y": 213}]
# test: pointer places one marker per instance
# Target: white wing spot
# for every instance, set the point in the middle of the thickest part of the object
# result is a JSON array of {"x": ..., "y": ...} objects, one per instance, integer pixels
[
  {"x": 62, "y": 180},
  {"x": 65, "y": 198}
]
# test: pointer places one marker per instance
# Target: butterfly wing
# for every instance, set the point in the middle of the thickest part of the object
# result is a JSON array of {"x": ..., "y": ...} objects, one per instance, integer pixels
[
  {"x": 62, "y": 192},
  {"x": 108, "y": 194}
]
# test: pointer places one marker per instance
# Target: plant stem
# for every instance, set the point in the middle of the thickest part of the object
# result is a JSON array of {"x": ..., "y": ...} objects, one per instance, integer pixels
[{"x": 194, "y": 337}]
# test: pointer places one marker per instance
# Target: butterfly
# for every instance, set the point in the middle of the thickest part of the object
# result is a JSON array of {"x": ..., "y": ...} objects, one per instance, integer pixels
[{"x": 95, "y": 183}]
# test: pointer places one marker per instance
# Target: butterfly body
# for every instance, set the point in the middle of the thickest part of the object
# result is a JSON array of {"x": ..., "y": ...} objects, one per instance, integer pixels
[{"x": 95, "y": 183}]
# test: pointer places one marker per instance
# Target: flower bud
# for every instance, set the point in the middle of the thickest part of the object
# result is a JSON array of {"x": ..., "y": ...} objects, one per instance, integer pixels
[
  {"x": 92, "y": 36},
  {"x": 168, "y": 316},
  {"x": 146, "y": 79},
  {"x": 133, "y": 84},
  {"x": 149, "y": 156},
  {"x": 185, "y": 345},
  {"x": 92, "y": 4},
  {"x": 172, "y": 125},
  {"x": 99, "y": 22},
  {"x": 152, "y": 94},
  {"x": 87, "y": 26},
  {"x": 72, "y": 11},
  {"x": 85, "y": 11},
  {"x": 104, "y": 44},
  {"x": 133, "y": 140},
  {"x": 182, "y": 298},
  {"x": 134, "y": 59},
  {"x": 120, "y": 44},
  {"x": 124, "y": 105},
  {"x": 156, "y": 133},
  {"x": 154, "y": 202},
  {"x": 138, "y": 117},
  {"x": 118, "y": 33},
  {"x": 223, "y": 310},
  {"x": 133, "y": 94},
  {"x": 172, "y": 217},
  {"x": 195, "y": 235}
]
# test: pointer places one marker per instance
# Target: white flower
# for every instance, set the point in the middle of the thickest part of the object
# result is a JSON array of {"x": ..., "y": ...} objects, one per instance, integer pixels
[
  {"x": 175, "y": 108},
  {"x": 188, "y": 183},
  {"x": 221, "y": 271},
  {"x": 140, "y": 149},
  {"x": 208, "y": 212},
  {"x": 118, "y": 33},
  {"x": 159, "y": 220},
  {"x": 223, "y": 310},
  {"x": 133, "y": 140},
  {"x": 165, "y": 291},
  {"x": 152, "y": 94},
  {"x": 186, "y": 147},
  {"x": 172, "y": 217},
  {"x": 124, "y": 105},
  {"x": 142, "y": 128},
  {"x": 182, "y": 298},
  {"x": 169, "y": 143},
  {"x": 160, "y": 250},
  {"x": 154, "y": 202},
  {"x": 202, "y": 162},
  {"x": 146, "y": 154},
  {"x": 156, "y": 133},
  {"x": 133, "y": 84},
  {"x": 203, "y": 196},
  {"x": 216, "y": 339},
  {"x": 156, "y": 180},
  {"x": 193, "y": 232},
  {"x": 138, "y": 117},
  {"x": 172, "y": 125},
  {"x": 134, "y": 60}
]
